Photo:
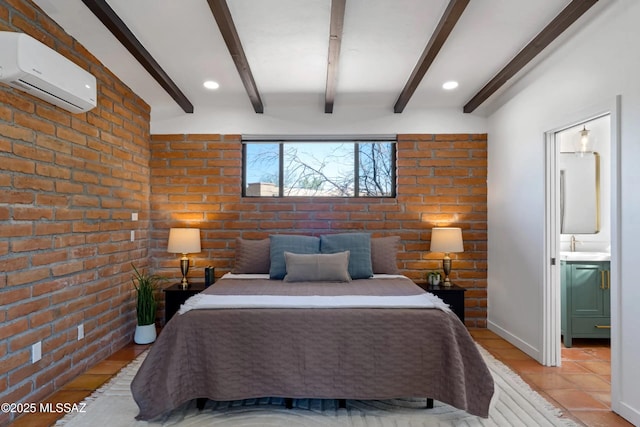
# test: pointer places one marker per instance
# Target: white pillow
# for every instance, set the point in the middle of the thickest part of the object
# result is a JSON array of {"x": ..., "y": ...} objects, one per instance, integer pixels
[{"x": 317, "y": 267}]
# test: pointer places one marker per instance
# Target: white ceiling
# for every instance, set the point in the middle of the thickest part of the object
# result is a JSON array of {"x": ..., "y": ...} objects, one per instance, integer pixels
[{"x": 286, "y": 44}]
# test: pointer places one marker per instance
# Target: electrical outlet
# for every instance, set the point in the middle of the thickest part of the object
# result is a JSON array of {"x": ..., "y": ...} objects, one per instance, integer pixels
[
  {"x": 134, "y": 216},
  {"x": 80, "y": 332},
  {"x": 133, "y": 236},
  {"x": 36, "y": 352}
]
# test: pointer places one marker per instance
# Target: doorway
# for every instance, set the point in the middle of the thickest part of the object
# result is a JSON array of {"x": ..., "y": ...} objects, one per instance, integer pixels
[
  {"x": 585, "y": 238},
  {"x": 579, "y": 159},
  {"x": 555, "y": 244}
]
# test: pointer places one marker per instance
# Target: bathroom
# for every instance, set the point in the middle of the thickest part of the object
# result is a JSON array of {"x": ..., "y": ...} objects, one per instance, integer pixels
[
  {"x": 585, "y": 226},
  {"x": 590, "y": 221}
]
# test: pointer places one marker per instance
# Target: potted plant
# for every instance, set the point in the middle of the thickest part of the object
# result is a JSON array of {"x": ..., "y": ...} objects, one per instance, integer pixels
[
  {"x": 145, "y": 284},
  {"x": 434, "y": 278}
]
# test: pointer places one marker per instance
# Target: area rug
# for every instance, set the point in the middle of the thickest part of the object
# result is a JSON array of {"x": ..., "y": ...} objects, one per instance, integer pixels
[{"x": 514, "y": 404}]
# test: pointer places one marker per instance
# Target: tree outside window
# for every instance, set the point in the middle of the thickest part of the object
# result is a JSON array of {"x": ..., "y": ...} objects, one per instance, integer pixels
[{"x": 319, "y": 169}]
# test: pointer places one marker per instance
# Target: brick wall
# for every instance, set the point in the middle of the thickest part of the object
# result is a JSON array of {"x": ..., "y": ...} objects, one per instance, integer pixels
[
  {"x": 196, "y": 181},
  {"x": 68, "y": 186}
]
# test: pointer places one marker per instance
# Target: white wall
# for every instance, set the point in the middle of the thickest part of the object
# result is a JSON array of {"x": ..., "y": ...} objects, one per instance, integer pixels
[
  {"x": 306, "y": 120},
  {"x": 598, "y": 63}
]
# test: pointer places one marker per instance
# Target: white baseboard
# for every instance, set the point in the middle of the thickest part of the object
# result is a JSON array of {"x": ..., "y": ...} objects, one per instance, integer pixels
[
  {"x": 627, "y": 412},
  {"x": 532, "y": 351}
]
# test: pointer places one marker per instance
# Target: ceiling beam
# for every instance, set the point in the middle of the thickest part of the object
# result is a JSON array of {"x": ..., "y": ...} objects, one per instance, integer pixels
[
  {"x": 447, "y": 22},
  {"x": 222, "y": 14},
  {"x": 335, "y": 40},
  {"x": 112, "y": 21},
  {"x": 560, "y": 23}
]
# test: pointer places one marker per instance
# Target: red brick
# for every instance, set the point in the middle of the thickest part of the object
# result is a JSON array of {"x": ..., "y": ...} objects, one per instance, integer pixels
[
  {"x": 31, "y": 244},
  {"x": 9, "y": 265},
  {"x": 52, "y": 171},
  {"x": 33, "y": 183},
  {"x": 49, "y": 257},
  {"x": 19, "y": 165},
  {"x": 10, "y": 329},
  {"x": 68, "y": 187},
  {"x": 113, "y": 119},
  {"x": 28, "y": 338},
  {"x": 27, "y": 307},
  {"x": 15, "y": 230},
  {"x": 453, "y": 137},
  {"x": 67, "y": 175},
  {"x": 85, "y": 153},
  {"x": 18, "y": 100},
  {"x": 54, "y": 144},
  {"x": 66, "y": 268},
  {"x": 52, "y": 114},
  {"x": 32, "y": 214},
  {"x": 15, "y": 132},
  {"x": 49, "y": 229},
  {"x": 11, "y": 362},
  {"x": 71, "y": 136},
  {"x": 168, "y": 137},
  {"x": 84, "y": 127},
  {"x": 98, "y": 122},
  {"x": 5, "y": 145},
  {"x": 42, "y": 318},
  {"x": 34, "y": 123}
]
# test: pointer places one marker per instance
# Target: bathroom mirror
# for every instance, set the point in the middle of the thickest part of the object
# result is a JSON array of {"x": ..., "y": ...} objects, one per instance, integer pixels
[{"x": 579, "y": 193}]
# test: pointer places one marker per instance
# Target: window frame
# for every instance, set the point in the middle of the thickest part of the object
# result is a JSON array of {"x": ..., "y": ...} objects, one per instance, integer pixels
[{"x": 356, "y": 145}]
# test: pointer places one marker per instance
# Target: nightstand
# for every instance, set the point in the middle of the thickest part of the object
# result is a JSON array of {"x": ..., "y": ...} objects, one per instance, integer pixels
[
  {"x": 452, "y": 295},
  {"x": 175, "y": 296}
]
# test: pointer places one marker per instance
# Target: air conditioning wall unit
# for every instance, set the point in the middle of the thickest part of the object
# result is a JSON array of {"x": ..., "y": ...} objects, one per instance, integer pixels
[{"x": 31, "y": 66}]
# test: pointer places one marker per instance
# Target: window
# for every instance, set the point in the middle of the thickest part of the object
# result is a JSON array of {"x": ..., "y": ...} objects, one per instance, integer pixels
[{"x": 319, "y": 168}]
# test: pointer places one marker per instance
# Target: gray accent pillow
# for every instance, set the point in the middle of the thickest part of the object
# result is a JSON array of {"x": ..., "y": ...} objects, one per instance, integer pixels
[
  {"x": 359, "y": 246},
  {"x": 384, "y": 255},
  {"x": 317, "y": 267},
  {"x": 279, "y": 243},
  {"x": 252, "y": 256}
]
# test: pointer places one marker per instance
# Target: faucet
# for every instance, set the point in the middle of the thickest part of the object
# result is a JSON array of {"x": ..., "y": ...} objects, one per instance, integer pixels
[{"x": 572, "y": 244}]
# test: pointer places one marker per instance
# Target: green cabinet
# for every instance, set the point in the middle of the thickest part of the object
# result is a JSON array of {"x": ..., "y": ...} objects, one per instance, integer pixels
[{"x": 585, "y": 300}]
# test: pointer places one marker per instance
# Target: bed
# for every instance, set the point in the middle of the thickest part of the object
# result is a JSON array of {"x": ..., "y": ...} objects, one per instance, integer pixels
[{"x": 351, "y": 351}]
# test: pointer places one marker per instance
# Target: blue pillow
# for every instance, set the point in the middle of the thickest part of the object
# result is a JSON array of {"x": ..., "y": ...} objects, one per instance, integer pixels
[
  {"x": 359, "y": 246},
  {"x": 290, "y": 243}
]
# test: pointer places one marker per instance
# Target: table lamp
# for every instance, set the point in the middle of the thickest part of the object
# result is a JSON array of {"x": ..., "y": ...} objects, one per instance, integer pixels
[
  {"x": 447, "y": 240},
  {"x": 184, "y": 241}
]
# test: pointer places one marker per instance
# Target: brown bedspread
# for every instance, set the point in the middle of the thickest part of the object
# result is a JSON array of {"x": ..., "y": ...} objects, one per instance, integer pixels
[{"x": 365, "y": 353}]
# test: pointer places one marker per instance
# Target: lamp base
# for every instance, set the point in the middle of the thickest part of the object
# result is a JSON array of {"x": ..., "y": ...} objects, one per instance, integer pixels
[
  {"x": 184, "y": 269},
  {"x": 446, "y": 266}
]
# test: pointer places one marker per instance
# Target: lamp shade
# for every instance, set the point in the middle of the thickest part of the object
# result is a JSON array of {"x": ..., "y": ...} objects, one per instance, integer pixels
[
  {"x": 446, "y": 239},
  {"x": 184, "y": 241},
  {"x": 583, "y": 142}
]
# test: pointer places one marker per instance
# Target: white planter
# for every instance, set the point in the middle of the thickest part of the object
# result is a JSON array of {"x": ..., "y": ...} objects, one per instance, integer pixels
[
  {"x": 145, "y": 334},
  {"x": 433, "y": 279}
]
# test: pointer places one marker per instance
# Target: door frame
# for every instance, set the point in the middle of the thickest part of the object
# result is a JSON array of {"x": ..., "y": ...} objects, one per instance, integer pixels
[
  {"x": 551, "y": 347},
  {"x": 551, "y": 291}
]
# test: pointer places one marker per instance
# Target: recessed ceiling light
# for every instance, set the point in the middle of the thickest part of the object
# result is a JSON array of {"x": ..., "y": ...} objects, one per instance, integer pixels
[
  {"x": 210, "y": 84},
  {"x": 449, "y": 85}
]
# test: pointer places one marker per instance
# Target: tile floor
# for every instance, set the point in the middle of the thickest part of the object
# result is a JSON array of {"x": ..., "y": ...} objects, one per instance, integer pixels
[
  {"x": 82, "y": 386},
  {"x": 581, "y": 387}
]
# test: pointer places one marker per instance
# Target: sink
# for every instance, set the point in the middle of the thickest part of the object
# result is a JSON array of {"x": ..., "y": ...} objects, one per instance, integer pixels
[{"x": 585, "y": 256}]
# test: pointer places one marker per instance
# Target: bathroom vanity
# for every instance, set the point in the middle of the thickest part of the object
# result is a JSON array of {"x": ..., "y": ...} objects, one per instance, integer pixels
[{"x": 586, "y": 285}]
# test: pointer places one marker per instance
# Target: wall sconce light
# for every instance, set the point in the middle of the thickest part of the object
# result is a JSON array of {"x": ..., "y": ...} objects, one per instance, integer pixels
[
  {"x": 184, "y": 241},
  {"x": 447, "y": 240},
  {"x": 583, "y": 143}
]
